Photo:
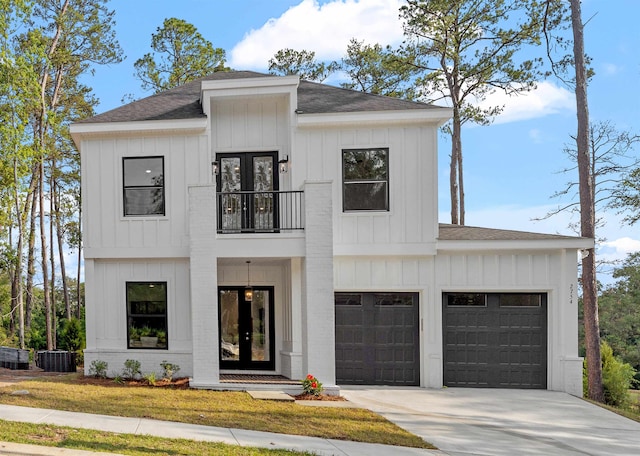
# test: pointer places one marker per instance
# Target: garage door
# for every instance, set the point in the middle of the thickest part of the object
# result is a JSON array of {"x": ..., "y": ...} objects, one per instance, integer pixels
[
  {"x": 496, "y": 340},
  {"x": 377, "y": 339}
]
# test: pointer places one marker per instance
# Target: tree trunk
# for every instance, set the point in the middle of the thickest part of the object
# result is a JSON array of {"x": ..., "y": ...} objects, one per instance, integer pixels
[
  {"x": 31, "y": 255},
  {"x": 18, "y": 274},
  {"x": 45, "y": 265},
  {"x": 79, "y": 270},
  {"x": 587, "y": 212},
  {"x": 454, "y": 171},
  {"x": 52, "y": 215},
  {"x": 461, "y": 183}
]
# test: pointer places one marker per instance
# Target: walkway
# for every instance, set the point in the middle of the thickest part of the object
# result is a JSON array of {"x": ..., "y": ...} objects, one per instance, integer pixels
[{"x": 322, "y": 447}]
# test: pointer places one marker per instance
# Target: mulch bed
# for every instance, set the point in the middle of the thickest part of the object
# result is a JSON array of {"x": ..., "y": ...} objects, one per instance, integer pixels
[
  {"x": 10, "y": 376},
  {"x": 321, "y": 397}
]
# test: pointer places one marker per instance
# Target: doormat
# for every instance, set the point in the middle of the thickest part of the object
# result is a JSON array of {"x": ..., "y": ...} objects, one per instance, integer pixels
[{"x": 267, "y": 379}]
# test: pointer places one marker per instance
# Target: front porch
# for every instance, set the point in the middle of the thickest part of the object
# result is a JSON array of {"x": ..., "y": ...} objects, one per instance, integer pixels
[{"x": 291, "y": 276}]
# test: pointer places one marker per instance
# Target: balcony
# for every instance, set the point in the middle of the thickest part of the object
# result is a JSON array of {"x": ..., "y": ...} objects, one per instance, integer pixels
[{"x": 260, "y": 212}]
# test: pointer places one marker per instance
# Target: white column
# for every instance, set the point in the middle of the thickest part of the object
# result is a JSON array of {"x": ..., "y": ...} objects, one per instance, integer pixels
[
  {"x": 203, "y": 285},
  {"x": 318, "y": 315}
]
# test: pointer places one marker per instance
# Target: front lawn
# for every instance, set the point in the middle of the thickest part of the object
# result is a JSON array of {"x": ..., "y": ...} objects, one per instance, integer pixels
[
  {"x": 210, "y": 408},
  {"x": 45, "y": 435}
]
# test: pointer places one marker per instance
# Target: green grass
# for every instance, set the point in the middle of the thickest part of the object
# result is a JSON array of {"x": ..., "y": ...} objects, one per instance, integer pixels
[
  {"x": 632, "y": 411},
  {"x": 210, "y": 408},
  {"x": 129, "y": 444}
]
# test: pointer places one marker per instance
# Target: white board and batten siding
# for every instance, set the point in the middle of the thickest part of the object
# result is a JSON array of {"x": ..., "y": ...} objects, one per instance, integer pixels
[
  {"x": 252, "y": 124},
  {"x": 107, "y": 318},
  {"x": 409, "y": 227},
  {"x": 108, "y": 233},
  {"x": 552, "y": 272}
]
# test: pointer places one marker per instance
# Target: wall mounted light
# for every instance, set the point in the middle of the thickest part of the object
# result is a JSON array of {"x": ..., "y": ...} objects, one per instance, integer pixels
[
  {"x": 284, "y": 164},
  {"x": 248, "y": 291},
  {"x": 215, "y": 168}
]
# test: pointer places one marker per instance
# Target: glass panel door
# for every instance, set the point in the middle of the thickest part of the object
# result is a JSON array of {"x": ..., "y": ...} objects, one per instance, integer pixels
[
  {"x": 247, "y": 182},
  {"x": 263, "y": 203},
  {"x": 246, "y": 329}
]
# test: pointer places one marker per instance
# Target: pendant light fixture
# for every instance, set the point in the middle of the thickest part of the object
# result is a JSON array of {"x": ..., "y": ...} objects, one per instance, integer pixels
[{"x": 248, "y": 291}]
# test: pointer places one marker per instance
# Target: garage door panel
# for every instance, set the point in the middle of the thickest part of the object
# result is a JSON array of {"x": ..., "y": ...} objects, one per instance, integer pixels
[
  {"x": 388, "y": 325},
  {"x": 495, "y": 345}
]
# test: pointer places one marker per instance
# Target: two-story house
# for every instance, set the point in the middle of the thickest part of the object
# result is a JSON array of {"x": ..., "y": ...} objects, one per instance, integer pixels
[{"x": 256, "y": 224}]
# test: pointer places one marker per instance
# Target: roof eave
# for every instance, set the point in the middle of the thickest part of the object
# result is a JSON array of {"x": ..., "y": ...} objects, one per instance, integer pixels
[
  {"x": 80, "y": 131},
  {"x": 577, "y": 243},
  {"x": 437, "y": 116}
]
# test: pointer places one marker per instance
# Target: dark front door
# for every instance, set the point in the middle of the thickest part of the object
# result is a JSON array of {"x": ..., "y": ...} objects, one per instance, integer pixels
[
  {"x": 246, "y": 328},
  {"x": 246, "y": 183}
]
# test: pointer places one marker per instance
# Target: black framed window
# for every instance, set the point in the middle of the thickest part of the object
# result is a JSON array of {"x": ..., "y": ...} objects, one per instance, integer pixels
[
  {"x": 143, "y": 182},
  {"x": 365, "y": 179},
  {"x": 147, "y": 315}
]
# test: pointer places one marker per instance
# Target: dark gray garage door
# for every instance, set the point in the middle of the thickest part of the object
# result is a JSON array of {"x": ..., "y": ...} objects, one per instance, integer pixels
[
  {"x": 496, "y": 340},
  {"x": 377, "y": 339}
]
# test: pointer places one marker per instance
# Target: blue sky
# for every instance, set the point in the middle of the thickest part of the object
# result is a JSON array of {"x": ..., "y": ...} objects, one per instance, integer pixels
[{"x": 511, "y": 167}]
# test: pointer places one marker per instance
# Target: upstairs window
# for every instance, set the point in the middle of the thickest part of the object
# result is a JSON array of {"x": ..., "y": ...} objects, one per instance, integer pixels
[
  {"x": 365, "y": 179},
  {"x": 143, "y": 179}
]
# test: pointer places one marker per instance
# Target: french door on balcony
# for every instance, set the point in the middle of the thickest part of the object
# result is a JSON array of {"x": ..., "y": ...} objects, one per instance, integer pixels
[{"x": 246, "y": 183}]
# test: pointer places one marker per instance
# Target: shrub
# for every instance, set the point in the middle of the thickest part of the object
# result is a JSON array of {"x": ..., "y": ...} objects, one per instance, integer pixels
[
  {"x": 617, "y": 378},
  {"x": 131, "y": 369},
  {"x": 71, "y": 337},
  {"x": 311, "y": 385},
  {"x": 150, "y": 378},
  {"x": 98, "y": 368},
  {"x": 169, "y": 370}
]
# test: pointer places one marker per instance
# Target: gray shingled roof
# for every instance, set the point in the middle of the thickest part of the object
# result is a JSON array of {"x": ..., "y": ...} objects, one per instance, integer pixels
[
  {"x": 472, "y": 233},
  {"x": 183, "y": 102}
]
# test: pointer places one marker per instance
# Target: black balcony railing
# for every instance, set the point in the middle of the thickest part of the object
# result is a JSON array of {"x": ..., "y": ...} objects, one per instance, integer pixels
[{"x": 260, "y": 212}]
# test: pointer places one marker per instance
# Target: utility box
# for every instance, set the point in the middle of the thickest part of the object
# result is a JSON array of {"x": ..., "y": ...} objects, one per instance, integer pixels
[
  {"x": 14, "y": 358},
  {"x": 56, "y": 361}
]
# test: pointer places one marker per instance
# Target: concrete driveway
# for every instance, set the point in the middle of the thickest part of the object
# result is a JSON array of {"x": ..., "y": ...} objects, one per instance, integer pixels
[{"x": 470, "y": 421}]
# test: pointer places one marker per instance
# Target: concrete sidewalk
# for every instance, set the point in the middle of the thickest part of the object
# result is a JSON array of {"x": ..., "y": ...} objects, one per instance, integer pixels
[{"x": 167, "y": 429}]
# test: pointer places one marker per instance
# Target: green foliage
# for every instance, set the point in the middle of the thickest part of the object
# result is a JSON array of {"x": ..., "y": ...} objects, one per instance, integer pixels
[
  {"x": 620, "y": 313},
  {"x": 180, "y": 54},
  {"x": 627, "y": 197},
  {"x": 169, "y": 370},
  {"x": 311, "y": 385},
  {"x": 379, "y": 70},
  {"x": 71, "y": 336},
  {"x": 36, "y": 339},
  {"x": 150, "y": 378},
  {"x": 98, "y": 368},
  {"x": 131, "y": 369},
  {"x": 303, "y": 63},
  {"x": 617, "y": 378}
]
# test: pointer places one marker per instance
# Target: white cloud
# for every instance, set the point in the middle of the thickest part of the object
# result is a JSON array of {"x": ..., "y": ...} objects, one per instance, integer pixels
[
  {"x": 325, "y": 29},
  {"x": 536, "y": 135},
  {"x": 623, "y": 245},
  {"x": 611, "y": 69},
  {"x": 546, "y": 99}
]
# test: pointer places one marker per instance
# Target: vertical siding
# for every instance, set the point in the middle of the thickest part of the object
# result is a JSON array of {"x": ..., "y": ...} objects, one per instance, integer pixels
[
  {"x": 250, "y": 124},
  {"x": 186, "y": 162},
  {"x": 110, "y": 300},
  {"x": 412, "y": 181}
]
